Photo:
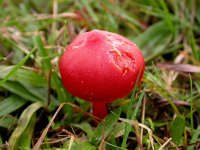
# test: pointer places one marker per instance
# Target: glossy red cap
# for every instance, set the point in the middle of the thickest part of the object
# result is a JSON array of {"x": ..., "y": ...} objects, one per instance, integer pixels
[{"x": 101, "y": 66}]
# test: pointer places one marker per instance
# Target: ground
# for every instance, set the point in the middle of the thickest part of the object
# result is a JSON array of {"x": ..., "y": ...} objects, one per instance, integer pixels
[{"x": 162, "y": 112}]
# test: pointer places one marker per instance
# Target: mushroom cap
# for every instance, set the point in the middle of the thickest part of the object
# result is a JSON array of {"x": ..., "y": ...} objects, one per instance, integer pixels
[{"x": 101, "y": 66}]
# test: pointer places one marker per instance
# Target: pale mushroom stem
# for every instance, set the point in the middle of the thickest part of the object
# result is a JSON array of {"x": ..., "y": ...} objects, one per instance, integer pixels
[{"x": 100, "y": 109}]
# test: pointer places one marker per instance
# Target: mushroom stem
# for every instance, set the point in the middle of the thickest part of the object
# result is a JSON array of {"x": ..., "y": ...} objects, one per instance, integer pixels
[{"x": 99, "y": 109}]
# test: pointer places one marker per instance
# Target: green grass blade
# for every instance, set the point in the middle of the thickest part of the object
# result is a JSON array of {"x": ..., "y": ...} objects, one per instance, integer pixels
[
  {"x": 46, "y": 65},
  {"x": 167, "y": 15},
  {"x": 117, "y": 131},
  {"x": 191, "y": 105},
  {"x": 8, "y": 121},
  {"x": 1, "y": 141},
  {"x": 90, "y": 10},
  {"x": 25, "y": 140},
  {"x": 25, "y": 127},
  {"x": 23, "y": 75},
  {"x": 63, "y": 95},
  {"x": 162, "y": 84},
  {"x": 86, "y": 127},
  {"x": 195, "y": 138},
  {"x": 132, "y": 117},
  {"x": 177, "y": 129},
  {"x": 21, "y": 63},
  {"x": 115, "y": 147},
  {"x": 192, "y": 41},
  {"x": 20, "y": 90},
  {"x": 11, "y": 104},
  {"x": 104, "y": 128},
  {"x": 79, "y": 145}
]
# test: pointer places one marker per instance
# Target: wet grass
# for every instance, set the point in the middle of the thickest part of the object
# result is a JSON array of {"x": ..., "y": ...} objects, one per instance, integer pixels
[{"x": 162, "y": 113}]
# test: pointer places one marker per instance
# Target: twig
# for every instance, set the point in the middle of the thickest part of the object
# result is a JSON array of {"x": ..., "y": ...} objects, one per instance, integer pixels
[
  {"x": 57, "y": 140},
  {"x": 39, "y": 142},
  {"x": 103, "y": 137},
  {"x": 70, "y": 142},
  {"x": 142, "y": 126},
  {"x": 62, "y": 15},
  {"x": 143, "y": 116},
  {"x": 49, "y": 88},
  {"x": 193, "y": 10},
  {"x": 55, "y": 10},
  {"x": 138, "y": 138},
  {"x": 163, "y": 146}
]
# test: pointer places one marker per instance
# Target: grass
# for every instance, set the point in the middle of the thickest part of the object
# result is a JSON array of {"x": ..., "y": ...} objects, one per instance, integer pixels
[{"x": 163, "y": 112}]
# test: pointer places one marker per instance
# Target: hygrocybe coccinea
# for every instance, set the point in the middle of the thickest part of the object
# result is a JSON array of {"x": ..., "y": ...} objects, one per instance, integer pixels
[{"x": 100, "y": 67}]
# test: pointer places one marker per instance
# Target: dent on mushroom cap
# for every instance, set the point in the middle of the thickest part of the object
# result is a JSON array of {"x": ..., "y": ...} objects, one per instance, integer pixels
[
  {"x": 79, "y": 43},
  {"x": 122, "y": 58},
  {"x": 87, "y": 38}
]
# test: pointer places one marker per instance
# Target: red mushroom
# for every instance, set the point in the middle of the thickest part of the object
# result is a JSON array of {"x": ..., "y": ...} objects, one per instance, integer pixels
[{"x": 100, "y": 67}]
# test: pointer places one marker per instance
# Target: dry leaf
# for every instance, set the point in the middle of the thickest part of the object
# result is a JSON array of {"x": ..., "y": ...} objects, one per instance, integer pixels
[{"x": 180, "y": 67}]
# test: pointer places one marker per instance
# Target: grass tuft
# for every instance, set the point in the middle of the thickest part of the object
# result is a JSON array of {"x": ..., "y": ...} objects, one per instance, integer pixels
[{"x": 161, "y": 113}]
